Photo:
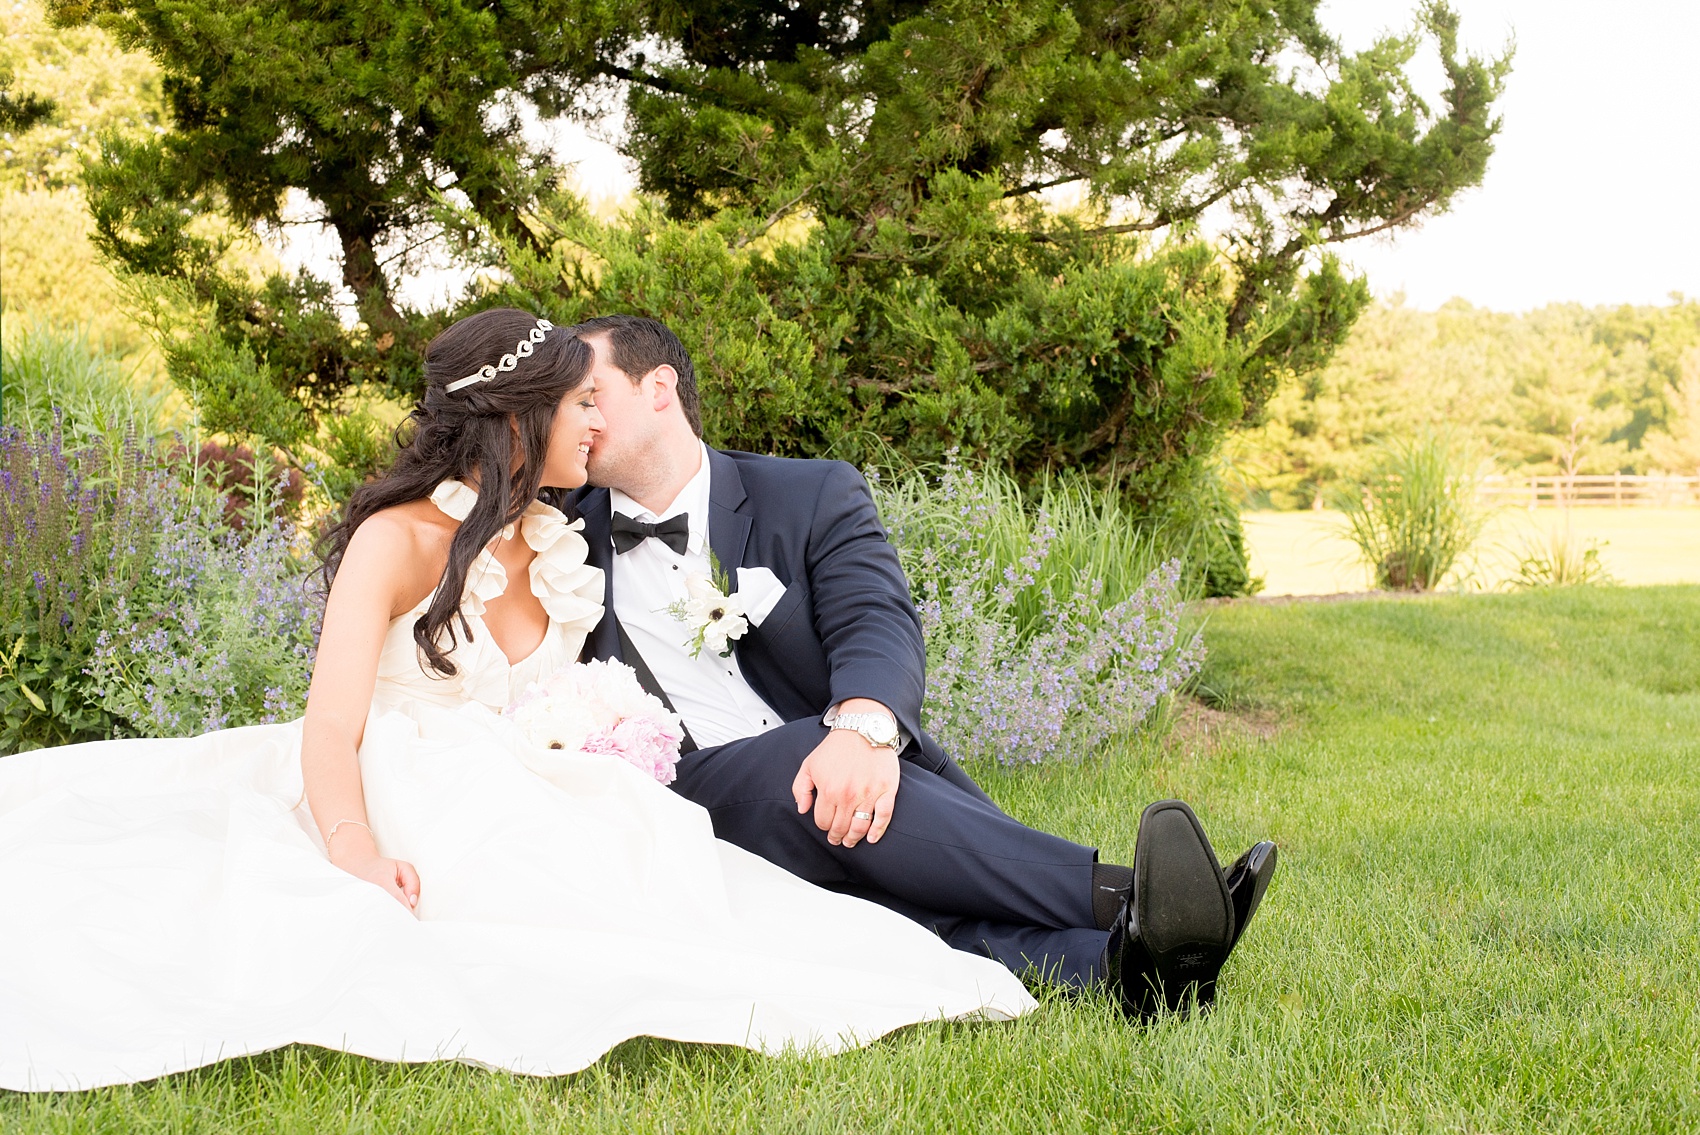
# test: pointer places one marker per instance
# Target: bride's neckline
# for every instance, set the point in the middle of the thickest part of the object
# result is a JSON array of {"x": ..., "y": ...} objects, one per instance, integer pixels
[
  {"x": 571, "y": 589},
  {"x": 487, "y": 576}
]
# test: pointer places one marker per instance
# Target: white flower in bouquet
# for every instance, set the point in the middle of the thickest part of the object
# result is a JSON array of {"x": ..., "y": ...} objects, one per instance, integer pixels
[
  {"x": 555, "y": 720},
  {"x": 599, "y": 707}
]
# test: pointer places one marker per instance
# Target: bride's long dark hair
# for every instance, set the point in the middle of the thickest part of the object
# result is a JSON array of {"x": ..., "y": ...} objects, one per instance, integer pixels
[{"x": 494, "y": 432}]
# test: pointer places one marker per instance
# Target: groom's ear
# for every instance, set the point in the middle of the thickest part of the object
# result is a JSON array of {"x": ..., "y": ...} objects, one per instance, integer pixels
[{"x": 666, "y": 392}]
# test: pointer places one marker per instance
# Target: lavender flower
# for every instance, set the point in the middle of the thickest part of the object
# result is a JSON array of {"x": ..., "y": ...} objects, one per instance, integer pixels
[
  {"x": 145, "y": 612},
  {"x": 1026, "y": 660}
]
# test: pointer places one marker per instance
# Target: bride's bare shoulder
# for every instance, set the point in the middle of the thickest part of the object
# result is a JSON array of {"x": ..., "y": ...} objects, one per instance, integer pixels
[
  {"x": 406, "y": 544},
  {"x": 416, "y": 526}
]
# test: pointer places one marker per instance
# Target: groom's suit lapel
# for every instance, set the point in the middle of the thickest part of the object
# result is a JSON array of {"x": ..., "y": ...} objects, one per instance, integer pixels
[
  {"x": 595, "y": 508},
  {"x": 728, "y": 527},
  {"x": 730, "y": 517}
]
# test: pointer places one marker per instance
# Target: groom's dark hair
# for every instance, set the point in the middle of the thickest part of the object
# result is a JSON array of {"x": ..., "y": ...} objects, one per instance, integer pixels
[{"x": 637, "y": 346}]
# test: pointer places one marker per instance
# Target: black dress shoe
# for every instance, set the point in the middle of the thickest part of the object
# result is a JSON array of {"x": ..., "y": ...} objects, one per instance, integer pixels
[
  {"x": 1180, "y": 919},
  {"x": 1247, "y": 879}
]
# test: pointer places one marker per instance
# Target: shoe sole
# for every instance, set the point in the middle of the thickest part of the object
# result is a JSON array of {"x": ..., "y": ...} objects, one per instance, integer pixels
[
  {"x": 1184, "y": 912},
  {"x": 1261, "y": 863}
]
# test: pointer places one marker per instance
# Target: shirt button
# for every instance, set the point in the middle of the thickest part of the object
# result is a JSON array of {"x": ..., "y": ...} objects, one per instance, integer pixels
[{"x": 675, "y": 567}]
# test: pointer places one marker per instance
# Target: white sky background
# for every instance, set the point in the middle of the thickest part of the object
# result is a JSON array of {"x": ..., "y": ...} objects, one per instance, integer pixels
[
  {"x": 1593, "y": 192},
  {"x": 1592, "y": 195}
]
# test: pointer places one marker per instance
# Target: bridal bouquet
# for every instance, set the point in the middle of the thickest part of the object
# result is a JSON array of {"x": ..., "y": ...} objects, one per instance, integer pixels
[{"x": 599, "y": 707}]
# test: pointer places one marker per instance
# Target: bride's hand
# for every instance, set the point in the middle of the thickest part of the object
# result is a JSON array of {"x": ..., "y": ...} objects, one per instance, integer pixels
[{"x": 395, "y": 876}]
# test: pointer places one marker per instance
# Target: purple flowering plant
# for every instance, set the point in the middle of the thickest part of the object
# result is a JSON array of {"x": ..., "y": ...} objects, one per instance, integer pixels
[
  {"x": 130, "y": 607},
  {"x": 1052, "y": 626},
  {"x": 220, "y": 629},
  {"x": 75, "y": 521}
]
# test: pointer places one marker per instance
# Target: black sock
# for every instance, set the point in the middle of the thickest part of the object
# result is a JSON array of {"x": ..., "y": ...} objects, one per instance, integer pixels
[{"x": 1111, "y": 885}]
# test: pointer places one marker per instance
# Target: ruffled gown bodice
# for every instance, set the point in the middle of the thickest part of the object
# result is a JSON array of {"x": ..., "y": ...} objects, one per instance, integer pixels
[
  {"x": 569, "y": 589},
  {"x": 169, "y": 903}
]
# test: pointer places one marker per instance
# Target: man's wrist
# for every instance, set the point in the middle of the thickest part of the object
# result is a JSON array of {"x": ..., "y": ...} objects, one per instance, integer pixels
[{"x": 876, "y": 724}]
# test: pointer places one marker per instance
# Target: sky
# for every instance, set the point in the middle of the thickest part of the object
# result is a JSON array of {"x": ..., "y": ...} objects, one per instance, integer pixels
[
  {"x": 1593, "y": 192},
  {"x": 1592, "y": 195}
]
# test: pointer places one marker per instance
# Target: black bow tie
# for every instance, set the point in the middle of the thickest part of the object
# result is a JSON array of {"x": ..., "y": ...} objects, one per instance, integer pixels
[{"x": 675, "y": 532}]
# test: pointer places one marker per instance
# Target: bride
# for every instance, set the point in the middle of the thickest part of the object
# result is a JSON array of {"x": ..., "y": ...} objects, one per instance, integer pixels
[{"x": 401, "y": 873}]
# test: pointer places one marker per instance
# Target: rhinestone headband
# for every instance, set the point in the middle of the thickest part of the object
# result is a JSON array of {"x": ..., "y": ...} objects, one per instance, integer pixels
[{"x": 508, "y": 362}]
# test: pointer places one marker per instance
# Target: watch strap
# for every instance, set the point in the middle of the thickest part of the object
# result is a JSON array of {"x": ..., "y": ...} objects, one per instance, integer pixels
[{"x": 858, "y": 723}]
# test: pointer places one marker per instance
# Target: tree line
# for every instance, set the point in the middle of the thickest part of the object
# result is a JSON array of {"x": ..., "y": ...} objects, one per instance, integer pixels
[{"x": 1561, "y": 389}]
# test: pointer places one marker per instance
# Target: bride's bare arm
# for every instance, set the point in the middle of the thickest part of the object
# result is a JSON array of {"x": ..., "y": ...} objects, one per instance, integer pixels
[{"x": 371, "y": 583}]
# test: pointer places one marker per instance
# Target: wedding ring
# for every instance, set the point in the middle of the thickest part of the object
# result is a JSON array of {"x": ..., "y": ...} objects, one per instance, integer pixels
[{"x": 863, "y": 815}]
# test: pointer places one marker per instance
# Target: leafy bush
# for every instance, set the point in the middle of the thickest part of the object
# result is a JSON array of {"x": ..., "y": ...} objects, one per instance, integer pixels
[
  {"x": 219, "y": 631},
  {"x": 128, "y": 607},
  {"x": 1049, "y": 629},
  {"x": 239, "y": 474},
  {"x": 1415, "y": 513},
  {"x": 73, "y": 525}
]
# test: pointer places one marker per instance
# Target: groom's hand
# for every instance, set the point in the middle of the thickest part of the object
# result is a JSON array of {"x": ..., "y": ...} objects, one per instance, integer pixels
[{"x": 845, "y": 775}]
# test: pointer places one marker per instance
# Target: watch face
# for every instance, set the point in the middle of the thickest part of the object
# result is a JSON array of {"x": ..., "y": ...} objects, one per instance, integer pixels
[{"x": 881, "y": 730}]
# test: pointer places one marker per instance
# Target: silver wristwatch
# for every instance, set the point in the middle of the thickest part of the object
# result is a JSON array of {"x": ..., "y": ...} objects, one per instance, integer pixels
[{"x": 878, "y": 729}]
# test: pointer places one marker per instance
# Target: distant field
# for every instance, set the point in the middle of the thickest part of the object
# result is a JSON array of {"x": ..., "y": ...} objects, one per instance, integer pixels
[{"x": 1307, "y": 553}]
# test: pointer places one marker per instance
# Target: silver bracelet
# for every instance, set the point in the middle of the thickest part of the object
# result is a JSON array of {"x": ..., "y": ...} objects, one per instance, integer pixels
[{"x": 332, "y": 833}]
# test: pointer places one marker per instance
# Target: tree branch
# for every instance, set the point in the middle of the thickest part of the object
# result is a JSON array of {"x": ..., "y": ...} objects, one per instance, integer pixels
[
  {"x": 1037, "y": 186},
  {"x": 773, "y": 219},
  {"x": 1404, "y": 214},
  {"x": 658, "y": 82},
  {"x": 1161, "y": 220}
]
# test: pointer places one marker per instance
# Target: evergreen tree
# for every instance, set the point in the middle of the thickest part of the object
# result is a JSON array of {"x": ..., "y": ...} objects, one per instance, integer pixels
[
  {"x": 20, "y": 110},
  {"x": 851, "y": 227}
]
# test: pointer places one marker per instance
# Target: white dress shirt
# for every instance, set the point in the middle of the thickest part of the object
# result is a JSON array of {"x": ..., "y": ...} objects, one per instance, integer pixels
[{"x": 708, "y": 692}]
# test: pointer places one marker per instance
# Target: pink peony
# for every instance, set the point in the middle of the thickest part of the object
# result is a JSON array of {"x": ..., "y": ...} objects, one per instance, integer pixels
[
  {"x": 642, "y": 742},
  {"x": 599, "y": 707}
]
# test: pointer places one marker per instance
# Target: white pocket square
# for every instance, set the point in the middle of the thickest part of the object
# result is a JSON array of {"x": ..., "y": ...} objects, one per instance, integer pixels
[{"x": 761, "y": 592}]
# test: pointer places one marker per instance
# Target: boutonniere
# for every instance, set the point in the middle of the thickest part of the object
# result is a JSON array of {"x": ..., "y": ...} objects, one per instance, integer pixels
[{"x": 713, "y": 613}]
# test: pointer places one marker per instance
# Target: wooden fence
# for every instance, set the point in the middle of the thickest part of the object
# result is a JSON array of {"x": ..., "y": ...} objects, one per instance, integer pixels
[{"x": 1608, "y": 490}]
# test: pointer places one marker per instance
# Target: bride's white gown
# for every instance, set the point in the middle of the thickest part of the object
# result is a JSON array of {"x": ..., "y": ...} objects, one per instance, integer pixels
[{"x": 167, "y": 903}]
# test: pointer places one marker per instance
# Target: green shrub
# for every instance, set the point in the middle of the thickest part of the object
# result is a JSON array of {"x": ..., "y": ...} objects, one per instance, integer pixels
[
  {"x": 76, "y": 527},
  {"x": 1416, "y": 512},
  {"x": 1199, "y": 522},
  {"x": 218, "y": 632},
  {"x": 1091, "y": 534},
  {"x": 1559, "y": 559},
  {"x": 55, "y": 378}
]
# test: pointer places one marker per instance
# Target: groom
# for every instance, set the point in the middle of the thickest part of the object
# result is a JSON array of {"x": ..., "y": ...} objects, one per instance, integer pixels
[{"x": 805, "y": 743}]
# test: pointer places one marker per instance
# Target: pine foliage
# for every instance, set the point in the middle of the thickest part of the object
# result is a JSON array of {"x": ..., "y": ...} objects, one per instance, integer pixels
[{"x": 922, "y": 225}]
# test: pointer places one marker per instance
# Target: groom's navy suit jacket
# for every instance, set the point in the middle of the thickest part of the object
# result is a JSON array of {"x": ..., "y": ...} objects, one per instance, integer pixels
[{"x": 845, "y": 626}]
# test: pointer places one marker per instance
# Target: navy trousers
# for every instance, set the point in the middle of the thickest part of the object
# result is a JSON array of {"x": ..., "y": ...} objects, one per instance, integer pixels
[{"x": 951, "y": 859}]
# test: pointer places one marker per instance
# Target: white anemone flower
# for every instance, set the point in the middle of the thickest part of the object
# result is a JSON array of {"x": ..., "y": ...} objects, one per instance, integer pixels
[{"x": 717, "y": 618}]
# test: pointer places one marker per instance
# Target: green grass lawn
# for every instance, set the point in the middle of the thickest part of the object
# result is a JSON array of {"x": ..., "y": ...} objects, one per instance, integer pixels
[{"x": 1486, "y": 918}]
